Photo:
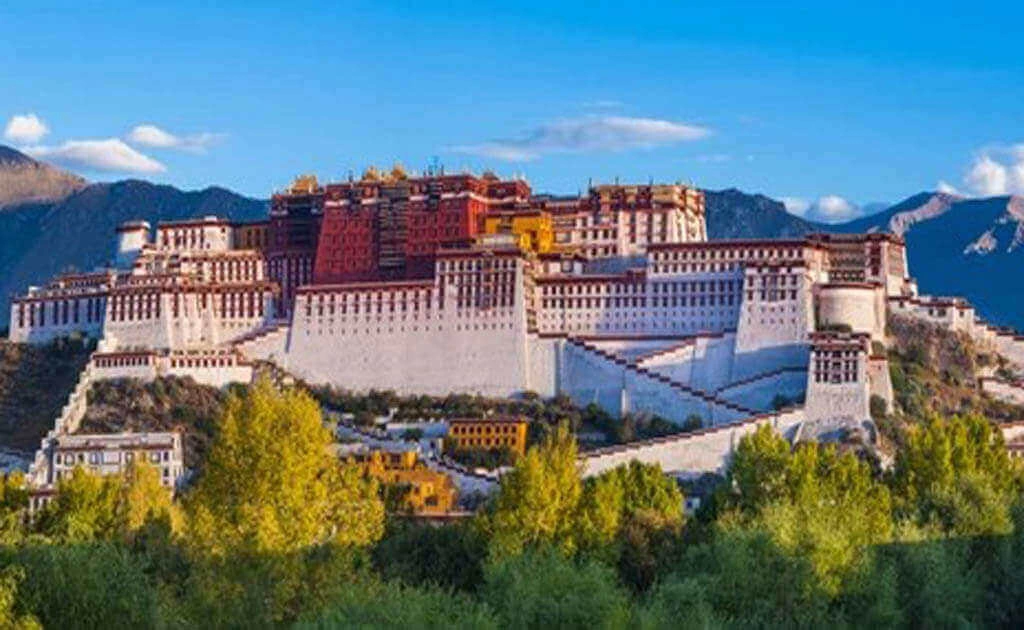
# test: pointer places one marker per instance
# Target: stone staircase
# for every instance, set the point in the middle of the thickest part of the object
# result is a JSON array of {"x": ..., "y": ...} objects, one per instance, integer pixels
[
  {"x": 70, "y": 417},
  {"x": 710, "y": 399},
  {"x": 264, "y": 343}
]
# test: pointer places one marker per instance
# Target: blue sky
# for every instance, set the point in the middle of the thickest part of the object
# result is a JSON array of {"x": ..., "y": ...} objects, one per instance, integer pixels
[{"x": 831, "y": 106}]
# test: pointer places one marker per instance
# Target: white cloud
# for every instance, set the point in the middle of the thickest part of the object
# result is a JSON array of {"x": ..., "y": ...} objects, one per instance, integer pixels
[
  {"x": 157, "y": 138},
  {"x": 604, "y": 104},
  {"x": 945, "y": 187},
  {"x": 1017, "y": 178},
  {"x": 796, "y": 205},
  {"x": 997, "y": 169},
  {"x": 588, "y": 134},
  {"x": 25, "y": 128},
  {"x": 987, "y": 177},
  {"x": 834, "y": 209},
  {"x": 826, "y": 209},
  {"x": 110, "y": 155}
]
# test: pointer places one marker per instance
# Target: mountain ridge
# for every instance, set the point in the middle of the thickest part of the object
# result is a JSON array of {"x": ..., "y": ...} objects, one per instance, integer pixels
[
  {"x": 25, "y": 180},
  {"x": 39, "y": 239}
]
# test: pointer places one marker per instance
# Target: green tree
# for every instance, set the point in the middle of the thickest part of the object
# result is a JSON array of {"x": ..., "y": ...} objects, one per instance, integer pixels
[
  {"x": 370, "y": 605},
  {"x": 812, "y": 502},
  {"x": 417, "y": 554},
  {"x": 757, "y": 472},
  {"x": 631, "y": 516},
  {"x": 273, "y": 485},
  {"x": 939, "y": 581},
  {"x": 956, "y": 474},
  {"x": 10, "y": 577},
  {"x": 538, "y": 500},
  {"x": 83, "y": 508},
  {"x": 835, "y": 511},
  {"x": 145, "y": 511},
  {"x": 275, "y": 518},
  {"x": 740, "y": 579},
  {"x": 13, "y": 506},
  {"x": 84, "y": 585},
  {"x": 543, "y": 589},
  {"x": 126, "y": 507}
]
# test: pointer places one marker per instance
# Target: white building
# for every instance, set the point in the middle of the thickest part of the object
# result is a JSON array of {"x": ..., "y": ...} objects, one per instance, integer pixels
[{"x": 107, "y": 454}]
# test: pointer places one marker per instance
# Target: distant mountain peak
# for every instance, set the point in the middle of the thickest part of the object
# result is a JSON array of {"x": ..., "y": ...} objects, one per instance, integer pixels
[
  {"x": 25, "y": 180},
  {"x": 13, "y": 157},
  {"x": 936, "y": 205}
]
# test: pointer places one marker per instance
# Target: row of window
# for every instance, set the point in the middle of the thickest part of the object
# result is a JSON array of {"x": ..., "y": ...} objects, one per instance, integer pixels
[
  {"x": 108, "y": 457},
  {"x": 62, "y": 312},
  {"x": 641, "y": 302}
]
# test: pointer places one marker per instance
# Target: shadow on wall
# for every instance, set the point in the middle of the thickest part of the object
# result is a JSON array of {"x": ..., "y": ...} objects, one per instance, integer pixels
[{"x": 749, "y": 364}]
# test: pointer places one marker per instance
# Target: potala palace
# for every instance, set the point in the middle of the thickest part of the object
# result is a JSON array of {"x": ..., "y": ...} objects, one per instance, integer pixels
[{"x": 472, "y": 284}]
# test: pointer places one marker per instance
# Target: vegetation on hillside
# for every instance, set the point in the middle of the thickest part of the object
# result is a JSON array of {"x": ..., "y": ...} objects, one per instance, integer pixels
[
  {"x": 279, "y": 533},
  {"x": 35, "y": 382},
  {"x": 544, "y": 414},
  {"x": 935, "y": 371},
  {"x": 164, "y": 404}
]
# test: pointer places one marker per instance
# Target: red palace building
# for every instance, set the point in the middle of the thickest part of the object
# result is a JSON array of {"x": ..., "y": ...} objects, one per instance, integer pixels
[
  {"x": 291, "y": 239},
  {"x": 389, "y": 225}
]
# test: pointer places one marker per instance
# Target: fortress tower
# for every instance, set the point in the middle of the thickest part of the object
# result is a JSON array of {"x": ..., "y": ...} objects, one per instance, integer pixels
[{"x": 132, "y": 236}]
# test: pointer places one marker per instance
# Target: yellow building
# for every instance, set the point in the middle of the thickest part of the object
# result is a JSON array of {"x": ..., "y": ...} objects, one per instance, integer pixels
[
  {"x": 418, "y": 489},
  {"x": 534, "y": 229},
  {"x": 488, "y": 433}
]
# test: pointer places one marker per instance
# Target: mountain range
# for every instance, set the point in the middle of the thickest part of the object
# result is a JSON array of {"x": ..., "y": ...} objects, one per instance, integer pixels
[{"x": 51, "y": 221}]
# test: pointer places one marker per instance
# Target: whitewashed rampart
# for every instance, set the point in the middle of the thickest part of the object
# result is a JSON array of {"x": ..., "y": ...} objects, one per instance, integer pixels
[{"x": 693, "y": 454}]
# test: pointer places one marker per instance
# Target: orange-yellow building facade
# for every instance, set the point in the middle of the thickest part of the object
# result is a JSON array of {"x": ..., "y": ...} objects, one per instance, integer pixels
[{"x": 488, "y": 433}]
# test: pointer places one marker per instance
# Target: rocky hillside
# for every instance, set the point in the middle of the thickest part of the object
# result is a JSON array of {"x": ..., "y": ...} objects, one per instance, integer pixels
[
  {"x": 24, "y": 180},
  {"x": 35, "y": 382},
  {"x": 735, "y": 214},
  {"x": 165, "y": 404},
  {"x": 935, "y": 371}
]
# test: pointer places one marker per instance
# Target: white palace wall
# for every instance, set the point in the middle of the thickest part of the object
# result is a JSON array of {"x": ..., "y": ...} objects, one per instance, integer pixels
[
  {"x": 760, "y": 392},
  {"x": 43, "y": 319},
  {"x": 180, "y": 320},
  {"x": 213, "y": 368},
  {"x": 588, "y": 375},
  {"x": 704, "y": 363},
  {"x": 861, "y": 306},
  {"x": 776, "y": 320},
  {"x": 483, "y": 355},
  {"x": 465, "y": 332},
  {"x": 694, "y": 454}
]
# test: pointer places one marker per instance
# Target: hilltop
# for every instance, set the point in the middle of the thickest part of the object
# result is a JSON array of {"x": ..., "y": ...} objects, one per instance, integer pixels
[{"x": 24, "y": 180}]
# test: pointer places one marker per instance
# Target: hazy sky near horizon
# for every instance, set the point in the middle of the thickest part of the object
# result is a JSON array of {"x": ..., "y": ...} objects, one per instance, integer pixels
[{"x": 830, "y": 106}]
